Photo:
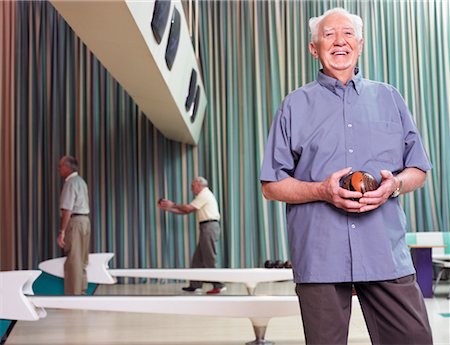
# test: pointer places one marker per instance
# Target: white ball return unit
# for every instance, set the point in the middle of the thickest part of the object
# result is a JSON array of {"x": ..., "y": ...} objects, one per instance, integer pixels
[
  {"x": 19, "y": 303},
  {"x": 98, "y": 272}
]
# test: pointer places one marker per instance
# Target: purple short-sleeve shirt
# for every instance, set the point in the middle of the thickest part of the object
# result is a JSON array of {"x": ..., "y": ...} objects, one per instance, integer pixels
[{"x": 324, "y": 127}]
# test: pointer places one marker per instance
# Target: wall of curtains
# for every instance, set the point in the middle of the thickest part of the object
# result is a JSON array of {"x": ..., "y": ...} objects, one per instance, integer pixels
[
  {"x": 253, "y": 53},
  {"x": 56, "y": 99},
  {"x": 7, "y": 67}
]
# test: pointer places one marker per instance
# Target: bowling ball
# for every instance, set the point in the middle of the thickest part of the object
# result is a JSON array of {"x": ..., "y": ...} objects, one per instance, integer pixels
[
  {"x": 288, "y": 264},
  {"x": 359, "y": 181},
  {"x": 278, "y": 264},
  {"x": 268, "y": 264}
]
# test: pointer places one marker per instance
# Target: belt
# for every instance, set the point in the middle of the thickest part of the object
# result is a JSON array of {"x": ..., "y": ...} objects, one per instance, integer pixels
[
  {"x": 79, "y": 215},
  {"x": 209, "y": 221}
]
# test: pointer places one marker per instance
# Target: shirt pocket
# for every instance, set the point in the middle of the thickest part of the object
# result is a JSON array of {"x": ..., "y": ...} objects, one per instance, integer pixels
[{"x": 387, "y": 142}]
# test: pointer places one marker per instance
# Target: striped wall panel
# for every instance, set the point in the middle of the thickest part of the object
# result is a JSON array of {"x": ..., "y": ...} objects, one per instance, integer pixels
[{"x": 57, "y": 99}]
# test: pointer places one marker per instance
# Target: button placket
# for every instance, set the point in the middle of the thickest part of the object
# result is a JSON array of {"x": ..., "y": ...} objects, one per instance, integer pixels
[{"x": 349, "y": 133}]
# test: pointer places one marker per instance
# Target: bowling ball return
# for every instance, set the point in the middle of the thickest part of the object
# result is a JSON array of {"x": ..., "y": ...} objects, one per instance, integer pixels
[
  {"x": 98, "y": 272},
  {"x": 20, "y": 304}
]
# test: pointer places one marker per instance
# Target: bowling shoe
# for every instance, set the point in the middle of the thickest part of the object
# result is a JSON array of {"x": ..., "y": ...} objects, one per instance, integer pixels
[
  {"x": 216, "y": 291},
  {"x": 192, "y": 289}
]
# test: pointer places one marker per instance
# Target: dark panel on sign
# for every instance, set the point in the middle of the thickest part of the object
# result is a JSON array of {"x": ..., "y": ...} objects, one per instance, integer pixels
[
  {"x": 174, "y": 38},
  {"x": 160, "y": 18},
  {"x": 196, "y": 102},
  {"x": 191, "y": 91}
]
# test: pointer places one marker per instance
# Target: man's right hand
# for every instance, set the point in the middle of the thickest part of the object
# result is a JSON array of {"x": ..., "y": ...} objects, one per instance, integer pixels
[
  {"x": 334, "y": 194},
  {"x": 165, "y": 204}
]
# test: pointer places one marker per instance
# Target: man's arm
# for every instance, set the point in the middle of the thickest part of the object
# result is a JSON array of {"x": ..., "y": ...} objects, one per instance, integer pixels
[
  {"x": 65, "y": 218},
  {"x": 411, "y": 179},
  {"x": 293, "y": 191},
  {"x": 170, "y": 206}
]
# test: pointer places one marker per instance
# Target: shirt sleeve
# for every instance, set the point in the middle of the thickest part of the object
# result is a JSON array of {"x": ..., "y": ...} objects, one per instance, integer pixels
[
  {"x": 198, "y": 202},
  {"x": 67, "y": 199},
  {"x": 414, "y": 154},
  {"x": 279, "y": 161}
]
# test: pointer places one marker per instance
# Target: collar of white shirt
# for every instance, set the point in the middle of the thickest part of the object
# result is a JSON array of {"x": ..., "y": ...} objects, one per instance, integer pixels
[{"x": 71, "y": 175}]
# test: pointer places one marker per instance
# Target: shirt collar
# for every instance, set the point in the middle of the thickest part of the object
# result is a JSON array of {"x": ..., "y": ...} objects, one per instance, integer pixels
[
  {"x": 332, "y": 84},
  {"x": 71, "y": 175},
  {"x": 203, "y": 190}
]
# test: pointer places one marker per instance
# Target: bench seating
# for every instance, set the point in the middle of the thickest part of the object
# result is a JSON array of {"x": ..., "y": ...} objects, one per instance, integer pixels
[
  {"x": 441, "y": 255},
  {"x": 435, "y": 238}
]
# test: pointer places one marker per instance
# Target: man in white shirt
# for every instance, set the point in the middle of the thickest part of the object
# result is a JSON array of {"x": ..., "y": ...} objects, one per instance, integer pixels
[
  {"x": 207, "y": 210},
  {"x": 75, "y": 227}
]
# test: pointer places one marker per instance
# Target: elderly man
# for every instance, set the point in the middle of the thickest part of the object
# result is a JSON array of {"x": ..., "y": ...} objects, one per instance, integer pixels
[
  {"x": 321, "y": 132},
  {"x": 207, "y": 210},
  {"x": 75, "y": 227}
]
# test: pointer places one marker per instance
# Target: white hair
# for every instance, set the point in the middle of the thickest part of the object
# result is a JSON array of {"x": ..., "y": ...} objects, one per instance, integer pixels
[
  {"x": 314, "y": 22},
  {"x": 201, "y": 180}
]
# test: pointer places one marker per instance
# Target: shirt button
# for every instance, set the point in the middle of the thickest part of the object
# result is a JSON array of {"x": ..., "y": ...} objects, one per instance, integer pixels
[
  {"x": 353, "y": 226},
  {"x": 349, "y": 125},
  {"x": 350, "y": 150}
]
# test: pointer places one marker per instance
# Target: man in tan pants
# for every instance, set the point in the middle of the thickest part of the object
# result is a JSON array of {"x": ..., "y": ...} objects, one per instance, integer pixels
[{"x": 75, "y": 228}]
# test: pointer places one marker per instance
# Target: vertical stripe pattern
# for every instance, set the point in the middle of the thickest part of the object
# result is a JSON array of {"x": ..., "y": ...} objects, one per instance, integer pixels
[{"x": 57, "y": 99}]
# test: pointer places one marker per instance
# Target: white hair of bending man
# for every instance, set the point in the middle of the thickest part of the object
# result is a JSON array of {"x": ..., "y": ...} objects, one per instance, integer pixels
[{"x": 201, "y": 180}]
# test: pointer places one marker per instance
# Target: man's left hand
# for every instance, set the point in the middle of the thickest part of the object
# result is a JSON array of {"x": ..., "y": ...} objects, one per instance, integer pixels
[
  {"x": 60, "y": 239},
  {"x": 378, "y": 197}
]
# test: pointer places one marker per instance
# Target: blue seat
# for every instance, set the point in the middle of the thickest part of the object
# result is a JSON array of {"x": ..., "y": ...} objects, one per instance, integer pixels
[{"x": 440, "y": 255}]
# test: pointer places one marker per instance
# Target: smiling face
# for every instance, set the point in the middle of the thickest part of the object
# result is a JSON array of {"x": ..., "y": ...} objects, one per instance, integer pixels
[{"x": 337, "y": 46}]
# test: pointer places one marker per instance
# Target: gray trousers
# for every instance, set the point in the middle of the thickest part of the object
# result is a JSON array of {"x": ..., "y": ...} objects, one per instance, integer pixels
[
  {"x": 206, "y": 252},
  {"x": 394, "y": 311},
  {"x": 76, "y": 248}
]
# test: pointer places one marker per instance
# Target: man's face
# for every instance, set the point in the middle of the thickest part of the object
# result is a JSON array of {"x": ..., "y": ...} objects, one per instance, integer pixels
[
  {"x": 337, "y": 47},
  {"x": 64, "y": 170},
  {"x": 196, "y": 187}
]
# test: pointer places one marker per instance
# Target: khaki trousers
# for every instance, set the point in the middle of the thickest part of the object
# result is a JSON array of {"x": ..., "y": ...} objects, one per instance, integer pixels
[{"x": 77, "y": 250}]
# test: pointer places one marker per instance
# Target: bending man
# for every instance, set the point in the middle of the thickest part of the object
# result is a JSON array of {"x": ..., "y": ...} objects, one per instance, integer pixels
[{"x": 207, "y": 210}]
